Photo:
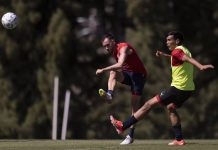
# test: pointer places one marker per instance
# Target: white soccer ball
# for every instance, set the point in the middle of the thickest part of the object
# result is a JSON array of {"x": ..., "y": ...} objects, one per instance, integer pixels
[{"x": 9, "y": 20}]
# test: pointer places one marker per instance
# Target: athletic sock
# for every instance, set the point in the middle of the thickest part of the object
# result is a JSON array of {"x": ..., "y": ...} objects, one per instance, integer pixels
[
  {"x": 131, "y": 132},
  {"x": 130, "y": 121},
  {"x": 178, "y": 132},
  {"x": 110, "y": 92}
]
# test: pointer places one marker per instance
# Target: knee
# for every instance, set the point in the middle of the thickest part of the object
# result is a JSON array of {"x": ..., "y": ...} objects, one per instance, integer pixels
[
  {"x": 112, "y": 74},
  {"x": 171, "y": 107}
]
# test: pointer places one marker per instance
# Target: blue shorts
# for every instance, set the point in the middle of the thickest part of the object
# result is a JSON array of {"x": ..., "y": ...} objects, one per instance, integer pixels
[
  {"x": 135, "y": 80},
  {"x": 174, "y": 95}
]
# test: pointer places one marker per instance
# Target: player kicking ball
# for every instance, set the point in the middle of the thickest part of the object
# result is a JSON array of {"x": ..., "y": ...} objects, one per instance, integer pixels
[
  {"x": 182, "y": 87},
  {"x": 128, "y": 70}
]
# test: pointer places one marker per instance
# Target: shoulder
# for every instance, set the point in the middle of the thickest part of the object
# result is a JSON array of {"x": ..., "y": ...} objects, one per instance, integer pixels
[
  {"x": 178, "y": 53},
  {"x": 125, "y": 48},
  {"x": 178, "y": 50},
  {"x": 122, "y": 44}
]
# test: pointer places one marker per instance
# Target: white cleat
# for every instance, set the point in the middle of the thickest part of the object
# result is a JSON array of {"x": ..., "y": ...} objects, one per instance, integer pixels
[{"x": 128, "y": 140}]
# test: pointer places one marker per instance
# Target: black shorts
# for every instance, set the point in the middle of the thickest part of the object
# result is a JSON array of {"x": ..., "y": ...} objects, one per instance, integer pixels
[
  {"x": 175, "y": 96},
  {"x": 135, "y": 80}
]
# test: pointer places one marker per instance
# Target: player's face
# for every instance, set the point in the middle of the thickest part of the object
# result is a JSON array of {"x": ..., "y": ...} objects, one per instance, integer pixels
[
  {"x": 171, "y": 42},
  {"x": 109, "y": 45}
]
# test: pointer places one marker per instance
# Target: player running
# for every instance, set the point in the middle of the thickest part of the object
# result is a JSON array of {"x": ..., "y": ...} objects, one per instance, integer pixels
[
  {"x": 128, "y": 70},
  {"x": 182, "y": 87}
]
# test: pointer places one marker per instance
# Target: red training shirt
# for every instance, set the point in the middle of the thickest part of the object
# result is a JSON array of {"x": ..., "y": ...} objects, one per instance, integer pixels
[{"x": 132, "y": 62}]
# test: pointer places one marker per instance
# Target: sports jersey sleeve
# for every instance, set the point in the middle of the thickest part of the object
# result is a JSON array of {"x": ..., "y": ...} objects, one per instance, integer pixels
[
  {"x": 178, "y": 54},
  {"x": 121, "y": 45}
]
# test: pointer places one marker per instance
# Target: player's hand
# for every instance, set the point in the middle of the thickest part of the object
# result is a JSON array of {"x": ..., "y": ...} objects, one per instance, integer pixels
[
  {"x": 205, "y": 67},
  {"x": 158, "y": 53},
  {"x": 99, "y": 71}
]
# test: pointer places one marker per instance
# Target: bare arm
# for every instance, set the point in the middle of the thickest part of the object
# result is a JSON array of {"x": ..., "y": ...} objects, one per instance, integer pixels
[
  {"x": 118, "y": 65},
  {"x": 160, "y": 53},
  {"x": 196, "y": 63}
]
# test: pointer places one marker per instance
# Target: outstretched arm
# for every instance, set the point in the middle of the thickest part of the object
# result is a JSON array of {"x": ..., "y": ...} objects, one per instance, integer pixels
[
  {"x": 196, "y": 63},
  {"x": 160, "y": 53},
  {"x": 118, "y": 65}
]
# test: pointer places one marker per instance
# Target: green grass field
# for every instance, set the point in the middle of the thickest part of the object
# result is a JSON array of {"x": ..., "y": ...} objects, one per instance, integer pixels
[{"x": 104, "y": 144}]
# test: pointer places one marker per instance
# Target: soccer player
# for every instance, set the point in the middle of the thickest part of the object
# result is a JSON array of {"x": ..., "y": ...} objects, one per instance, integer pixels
[
  {"x": 182, "y": 87},
  {"x": 128, "y": 70}
]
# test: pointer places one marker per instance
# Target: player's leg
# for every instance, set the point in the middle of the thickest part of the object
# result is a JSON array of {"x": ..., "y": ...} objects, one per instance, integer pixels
[
  {"x": 176, "y": 125},
  {"x": 121, "y": 126},
  {"x": 112, "y": 81},
  {"x": 164, "y": 98},
  {"x": 179, "y": 98},
  {"x": 146, "y": 108},
  {"x": 113, "y": 77},
  {"x": 136, "y": 81},
  {"x": 134, "y": 107}
]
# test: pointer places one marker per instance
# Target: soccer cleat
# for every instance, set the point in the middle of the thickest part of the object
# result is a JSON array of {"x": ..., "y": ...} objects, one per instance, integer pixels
[
  {"x": 175, "y": 142},
  {"x": 103, "y": 93},
  {"x": 128, "y": 140},
  {"x": 117, "y": 124}
]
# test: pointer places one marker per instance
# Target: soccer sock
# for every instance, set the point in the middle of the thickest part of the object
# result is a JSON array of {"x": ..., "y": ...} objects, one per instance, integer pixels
[
  {"x": 110, "y": 92},
  {"x": 131, "y": 132},
  {"x": 178, "y": 132},
  {"x": 132, "y": 120}
]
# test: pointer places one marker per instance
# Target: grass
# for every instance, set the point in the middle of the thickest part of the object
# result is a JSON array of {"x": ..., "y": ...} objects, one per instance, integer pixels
[{"x": 104, "y": 144}]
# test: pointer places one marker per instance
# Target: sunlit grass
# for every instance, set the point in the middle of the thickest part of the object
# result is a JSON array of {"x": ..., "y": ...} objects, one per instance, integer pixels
[{"x": 104, "y": 144}]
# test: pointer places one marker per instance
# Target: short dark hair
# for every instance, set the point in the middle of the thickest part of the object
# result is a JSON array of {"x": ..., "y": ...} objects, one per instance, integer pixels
[
  {"x": 109, "y": 36},
  {"x": 177, "y": 35}
]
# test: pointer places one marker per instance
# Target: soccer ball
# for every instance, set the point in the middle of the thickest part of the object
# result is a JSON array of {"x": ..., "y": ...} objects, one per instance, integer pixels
[{"x": 9, "y": 20}]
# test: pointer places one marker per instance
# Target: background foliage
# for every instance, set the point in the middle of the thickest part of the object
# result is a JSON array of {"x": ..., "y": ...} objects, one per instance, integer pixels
[{"x": 62, "y": 38}]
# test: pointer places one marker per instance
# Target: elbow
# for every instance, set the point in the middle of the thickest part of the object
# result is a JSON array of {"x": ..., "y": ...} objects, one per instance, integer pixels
[{"x": 119, "y": 65}]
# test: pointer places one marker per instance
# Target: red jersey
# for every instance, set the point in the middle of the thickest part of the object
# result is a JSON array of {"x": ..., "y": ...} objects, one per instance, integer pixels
[{"x": 132, "y": 62}]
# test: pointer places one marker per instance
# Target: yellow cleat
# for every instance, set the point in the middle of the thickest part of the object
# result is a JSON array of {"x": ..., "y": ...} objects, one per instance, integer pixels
[
  {"x": 101, "y": 92},
  {"x": 105, "y": 95}
]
